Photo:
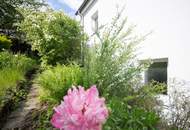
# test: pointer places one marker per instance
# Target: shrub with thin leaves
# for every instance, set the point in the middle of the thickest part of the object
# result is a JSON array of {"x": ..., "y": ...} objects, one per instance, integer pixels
[
  {"x": 57, "y": 80},
  {"x": 112, "y": 63}
]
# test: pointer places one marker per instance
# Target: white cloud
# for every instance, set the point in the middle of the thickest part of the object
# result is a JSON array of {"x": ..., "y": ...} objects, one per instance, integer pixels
[{"x": 74, "y": 4}]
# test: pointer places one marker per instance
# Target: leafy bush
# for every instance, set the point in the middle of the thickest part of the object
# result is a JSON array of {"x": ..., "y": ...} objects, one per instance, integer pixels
[
  {"x": 5, "y": 43},
  {"x": 56, "y": 36},
  {"x": 123, "y": 117},
  {"x": 55, "y": 81}
]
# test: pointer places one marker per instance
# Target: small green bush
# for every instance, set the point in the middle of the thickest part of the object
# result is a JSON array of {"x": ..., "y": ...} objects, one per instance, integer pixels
[
  {"x": 56, "y": 81},
  {"x": 124, "y": 117},
  {"x": 5, "y": 43}
]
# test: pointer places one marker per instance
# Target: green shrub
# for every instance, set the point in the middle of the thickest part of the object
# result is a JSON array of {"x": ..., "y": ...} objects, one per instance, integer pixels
[
  {"x": 56, "y": 36},
  {"x": 56, "y": 81},
  {"x": 123, "y": 117},
  {"x": 19, "y": 61},
  {"x": 112, "y": 62},
  {"x": 5, "y": 43}
]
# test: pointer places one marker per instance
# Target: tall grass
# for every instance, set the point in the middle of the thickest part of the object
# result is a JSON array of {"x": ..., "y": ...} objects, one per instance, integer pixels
[
  {"x": 12, "y": 70},
  {"x": 56, "y": 81}
]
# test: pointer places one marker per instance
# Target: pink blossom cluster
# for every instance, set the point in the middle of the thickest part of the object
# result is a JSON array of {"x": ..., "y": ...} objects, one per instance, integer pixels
[{"x": 80, "y": 110}]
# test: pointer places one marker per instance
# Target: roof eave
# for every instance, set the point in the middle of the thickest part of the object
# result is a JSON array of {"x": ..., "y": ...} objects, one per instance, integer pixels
[{"x": 85, "y": 2}]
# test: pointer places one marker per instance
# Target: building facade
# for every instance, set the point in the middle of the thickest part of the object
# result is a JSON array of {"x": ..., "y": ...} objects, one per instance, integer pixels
[{"x": 168, "y": 45}]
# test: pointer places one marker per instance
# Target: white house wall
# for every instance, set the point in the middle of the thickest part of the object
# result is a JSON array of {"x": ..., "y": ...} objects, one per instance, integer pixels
[
  {"x": 88, "y": 18},
  {"x": 169, "y": 22}
]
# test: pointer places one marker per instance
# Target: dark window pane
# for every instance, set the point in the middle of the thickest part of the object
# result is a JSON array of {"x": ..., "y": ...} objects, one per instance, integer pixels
[{"x": 157, "y": 72}]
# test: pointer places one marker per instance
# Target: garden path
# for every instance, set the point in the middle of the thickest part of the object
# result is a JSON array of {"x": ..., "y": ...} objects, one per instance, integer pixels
[{"x": 23, "y": 116}]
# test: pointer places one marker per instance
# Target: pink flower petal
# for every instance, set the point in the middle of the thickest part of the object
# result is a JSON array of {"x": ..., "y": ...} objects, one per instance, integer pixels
[{"x": 81, "y": 110}]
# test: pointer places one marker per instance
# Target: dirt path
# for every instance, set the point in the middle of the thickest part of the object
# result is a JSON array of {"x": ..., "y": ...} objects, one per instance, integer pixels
[{"x": 22, "y": 117}]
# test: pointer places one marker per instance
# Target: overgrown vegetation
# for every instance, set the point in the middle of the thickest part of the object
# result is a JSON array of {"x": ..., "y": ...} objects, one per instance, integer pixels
[
  {"x": 112, "y": 64},
  {"x": 56, "y": 36},
  {"x": 10, "y": 14},
  {"x": 12, "y": 69},
  {"x": 56, "y": 81},
  {"x": 126, "y": 117}
]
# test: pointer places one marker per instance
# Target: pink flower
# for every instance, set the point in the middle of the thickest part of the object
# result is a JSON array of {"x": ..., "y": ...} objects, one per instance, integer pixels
[{"x": 81, "y": 110}]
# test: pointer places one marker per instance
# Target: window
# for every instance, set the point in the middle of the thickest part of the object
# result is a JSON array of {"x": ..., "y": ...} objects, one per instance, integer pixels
[
  {"x": 157, "y": 71},
  {"x": 95, "y": 22}
]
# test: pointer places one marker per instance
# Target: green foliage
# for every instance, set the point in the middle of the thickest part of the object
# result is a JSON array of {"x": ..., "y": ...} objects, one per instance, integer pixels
[
  {"x": 45, "y": 117},
  {"x": 12, "y": 70},
  {"x": 9, "y": 13},
  {"x": 112, "y": 64},
  {"x": 5, "y": 43},
  {"x": 8, "y": 80},
  {"x": 123, "y": 117},
  {"x": 56, "y": 81},
  {"x": 156, "y": 87},
  {"x": 17, "y": 61},
  {"x": 56, "y": 36}
]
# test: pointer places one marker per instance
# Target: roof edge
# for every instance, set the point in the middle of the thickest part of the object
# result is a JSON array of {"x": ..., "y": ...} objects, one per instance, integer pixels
[{"x": 85, "y": 2}]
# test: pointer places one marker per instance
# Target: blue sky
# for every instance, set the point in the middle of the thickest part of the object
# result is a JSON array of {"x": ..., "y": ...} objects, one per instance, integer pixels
[{"x": 69, "y": 6}]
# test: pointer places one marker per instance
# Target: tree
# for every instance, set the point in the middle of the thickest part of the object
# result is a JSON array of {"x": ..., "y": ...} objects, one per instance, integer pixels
[
  {"x": 9, "y": 13},
  {"x": 56, "y": 36}
]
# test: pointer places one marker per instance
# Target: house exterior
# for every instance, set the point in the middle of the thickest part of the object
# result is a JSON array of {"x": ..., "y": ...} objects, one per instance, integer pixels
[{"x": 169, "y": 43}]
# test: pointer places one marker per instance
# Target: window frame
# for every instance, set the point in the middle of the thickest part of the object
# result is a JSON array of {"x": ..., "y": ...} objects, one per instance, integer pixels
[{"x": 95, "y": 22}]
